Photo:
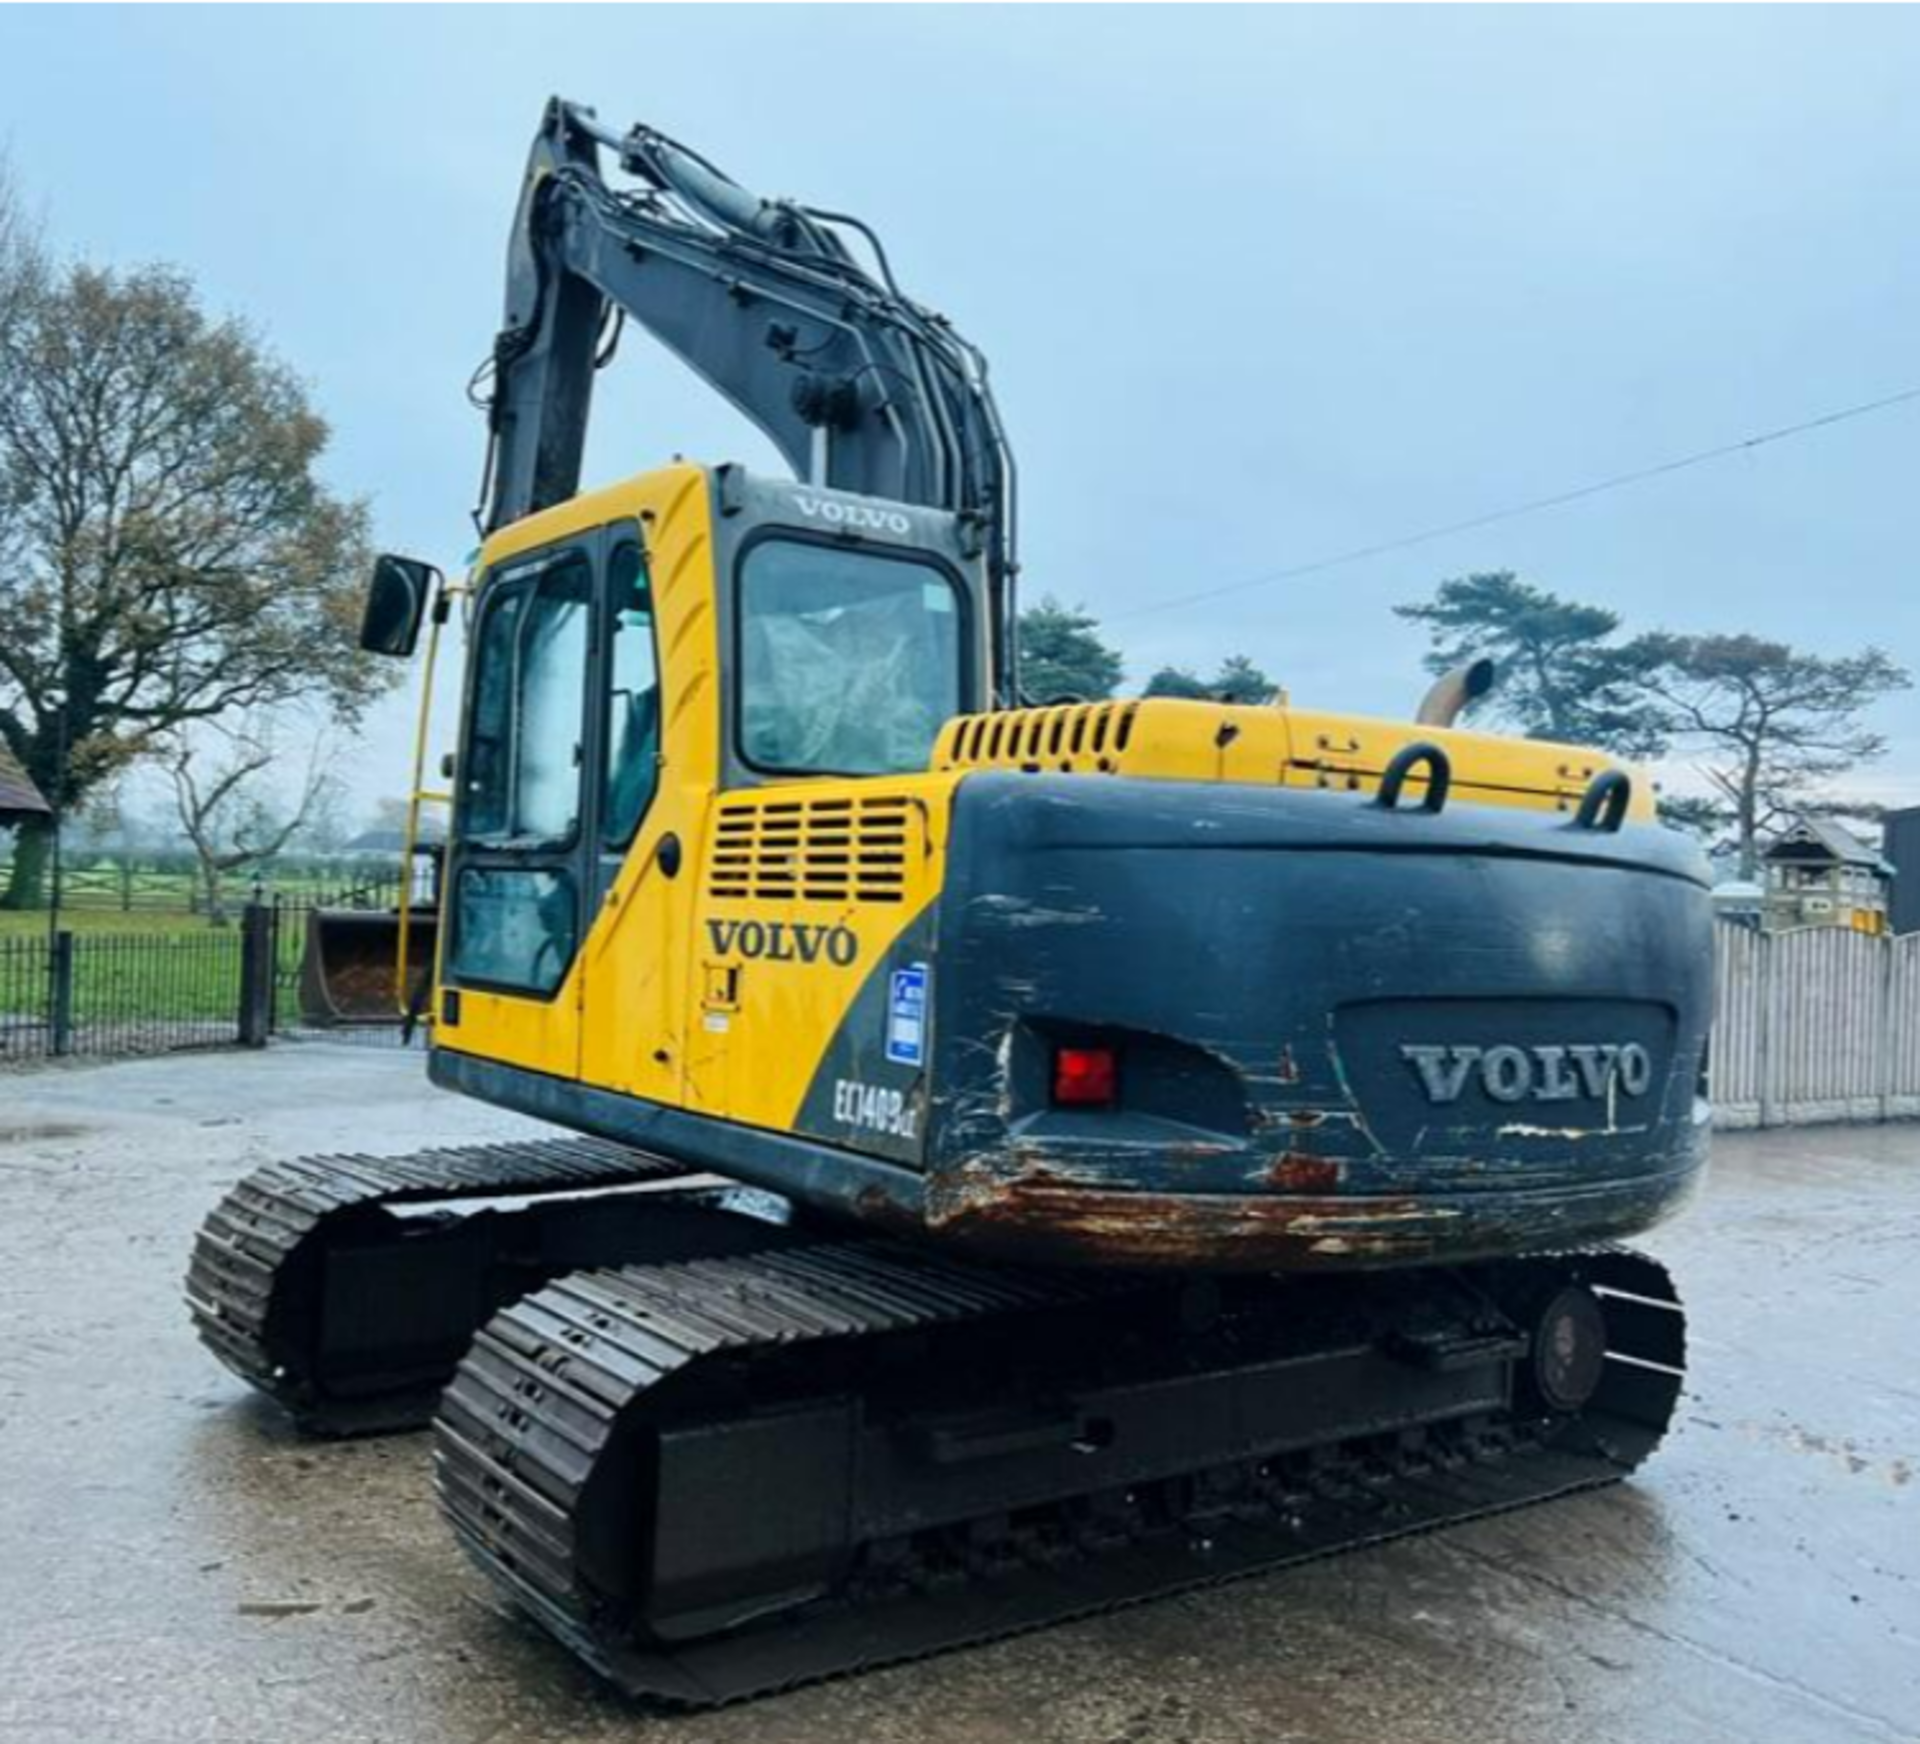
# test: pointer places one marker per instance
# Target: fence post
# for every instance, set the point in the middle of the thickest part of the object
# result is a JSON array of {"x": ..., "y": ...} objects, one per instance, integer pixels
[
  {"x": 276, "y": 919},
  {"x": 1883, "y": 1046},
  {"x": 1764, "y": 1030},
  {"x": 60, "y": 994},
  {"x": 256, "y": 974}
]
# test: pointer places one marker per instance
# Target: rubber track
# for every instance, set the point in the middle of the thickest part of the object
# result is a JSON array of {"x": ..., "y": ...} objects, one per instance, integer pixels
[
  {"x": 536, "y": 1401},
  {"x": 243, "y": 1253}
]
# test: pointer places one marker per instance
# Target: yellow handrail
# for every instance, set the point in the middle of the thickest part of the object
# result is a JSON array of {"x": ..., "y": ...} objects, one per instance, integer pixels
[{"x": 419, "y": 794}]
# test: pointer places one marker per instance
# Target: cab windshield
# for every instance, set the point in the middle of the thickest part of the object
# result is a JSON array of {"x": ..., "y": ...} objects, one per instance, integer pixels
[{"x": 850, "y": 662}]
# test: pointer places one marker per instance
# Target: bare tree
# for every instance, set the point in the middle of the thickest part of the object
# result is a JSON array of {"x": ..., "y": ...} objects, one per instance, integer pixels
[
  {"x": 22, "y": 276},
  {"x": 170, "y": 554},
  {"x": 234, "y": 803},
  {"x": 23, "y": 261},
  {"x": 1774, "y": 727}
]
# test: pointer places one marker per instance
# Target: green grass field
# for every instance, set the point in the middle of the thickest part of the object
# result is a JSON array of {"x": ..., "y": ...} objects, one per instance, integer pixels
[
  {"x": 154, "y": 962},
  {"x": 145, "y": 967},
  {"x": 177, "y": 971},
  {"x": 138, "y": 889},
  {"x": 100, "y": 922}
]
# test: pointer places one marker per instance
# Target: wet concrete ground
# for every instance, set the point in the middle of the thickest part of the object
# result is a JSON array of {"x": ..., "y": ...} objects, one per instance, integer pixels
[{"x": 174, "y": 1565}]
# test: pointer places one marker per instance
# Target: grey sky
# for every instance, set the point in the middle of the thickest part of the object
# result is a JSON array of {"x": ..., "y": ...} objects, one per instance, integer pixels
[{"x": 1258, "y": 286}]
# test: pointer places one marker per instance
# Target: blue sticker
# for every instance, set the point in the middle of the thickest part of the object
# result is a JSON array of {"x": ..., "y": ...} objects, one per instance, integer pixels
[{"x": 907, "y": 1016}]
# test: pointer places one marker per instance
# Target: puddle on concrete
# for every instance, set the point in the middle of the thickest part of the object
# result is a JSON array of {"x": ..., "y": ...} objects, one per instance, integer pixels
[{"x": 33, "y": 1131}]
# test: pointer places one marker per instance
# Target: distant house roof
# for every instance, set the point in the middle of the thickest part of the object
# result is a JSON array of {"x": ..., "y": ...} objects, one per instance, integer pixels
[
  {"x": 392, "y": 841},
  {"x": 1816, "y": 838},
  {"x": 18, "y": 795}
]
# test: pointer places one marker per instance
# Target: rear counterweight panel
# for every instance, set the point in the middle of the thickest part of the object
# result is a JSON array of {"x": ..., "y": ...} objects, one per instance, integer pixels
[{"x": 1348, "y": 1036}]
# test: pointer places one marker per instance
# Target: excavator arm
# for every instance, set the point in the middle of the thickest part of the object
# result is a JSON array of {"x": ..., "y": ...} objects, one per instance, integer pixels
[{"x": 857, "y": 386}]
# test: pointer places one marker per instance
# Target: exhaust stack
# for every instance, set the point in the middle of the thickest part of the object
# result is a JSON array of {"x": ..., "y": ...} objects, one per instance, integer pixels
[{"x": 1452, "y": 691}]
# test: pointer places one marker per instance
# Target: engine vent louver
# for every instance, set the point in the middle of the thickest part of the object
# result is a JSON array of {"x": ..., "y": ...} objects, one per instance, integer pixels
[
  {"x": 1075, "y": 737},
  {"x": 815, "y": 850}
]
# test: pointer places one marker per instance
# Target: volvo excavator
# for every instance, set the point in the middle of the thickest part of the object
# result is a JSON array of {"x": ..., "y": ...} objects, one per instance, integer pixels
[{"x": 1023, "y": 1155}]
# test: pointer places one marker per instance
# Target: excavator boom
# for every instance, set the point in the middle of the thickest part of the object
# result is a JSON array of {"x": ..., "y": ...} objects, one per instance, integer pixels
[{"x": 857, "y": 386}]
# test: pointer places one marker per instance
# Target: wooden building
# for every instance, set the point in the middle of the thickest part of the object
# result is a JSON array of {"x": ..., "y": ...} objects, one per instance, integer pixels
[
  {"x": 1819, "y": 873},
  {"x": 18, "y": 796}
]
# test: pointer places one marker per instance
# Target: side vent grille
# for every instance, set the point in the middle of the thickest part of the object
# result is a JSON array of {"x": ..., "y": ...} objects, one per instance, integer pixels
[
  {"x": 815, "y": 850},
  {"x": 1076, "y": 737}
]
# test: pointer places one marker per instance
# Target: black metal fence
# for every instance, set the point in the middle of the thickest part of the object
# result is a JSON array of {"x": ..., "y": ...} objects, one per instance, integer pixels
[
  {"x": 93, "y": 987},
  {"x": 27, "y": 997},
  {"x": 65, "y": 994}
]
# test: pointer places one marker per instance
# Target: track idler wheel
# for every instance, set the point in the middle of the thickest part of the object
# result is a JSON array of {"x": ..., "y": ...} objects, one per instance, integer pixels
[{"x": 1568, "y": 1354}]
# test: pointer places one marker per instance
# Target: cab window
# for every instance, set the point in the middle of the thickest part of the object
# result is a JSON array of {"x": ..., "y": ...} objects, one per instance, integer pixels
[
  {"x": 850, "y": 661},
  {"x": 515, "y": 927},
  {"x": 521, "y": 781},
  {"x": 515, "y": 903},
  {"x": 633, "y": 700}
]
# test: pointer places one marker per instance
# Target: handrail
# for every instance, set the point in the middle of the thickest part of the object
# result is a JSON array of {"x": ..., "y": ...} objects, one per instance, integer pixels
[{"x": 419, "y": 794}]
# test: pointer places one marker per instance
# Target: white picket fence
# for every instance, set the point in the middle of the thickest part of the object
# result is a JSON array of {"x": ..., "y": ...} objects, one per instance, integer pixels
[{"x": 1817, "y": 1024}]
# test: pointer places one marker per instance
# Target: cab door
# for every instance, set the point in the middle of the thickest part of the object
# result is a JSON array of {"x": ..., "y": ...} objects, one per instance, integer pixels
[
  {"x": 522, "y": 866},
  {"x": 626, "y": 741},
  {"x": 633, "y": 961}
]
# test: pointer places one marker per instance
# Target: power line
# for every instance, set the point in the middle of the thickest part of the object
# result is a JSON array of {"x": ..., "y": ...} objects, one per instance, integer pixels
[{"x": 1533, "y": 506}]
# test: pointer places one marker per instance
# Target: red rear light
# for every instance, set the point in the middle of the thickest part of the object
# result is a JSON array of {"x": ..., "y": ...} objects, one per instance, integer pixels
[{"x": 1085, "y": 1077}]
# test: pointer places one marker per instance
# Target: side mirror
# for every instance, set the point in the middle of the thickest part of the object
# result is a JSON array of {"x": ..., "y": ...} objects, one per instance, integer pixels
[{"x": 397, "y": 599}]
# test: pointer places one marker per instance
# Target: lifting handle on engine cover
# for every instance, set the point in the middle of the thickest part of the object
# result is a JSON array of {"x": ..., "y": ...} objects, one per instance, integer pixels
[
  {"x": 1604, "y": 805},
  {"x": 1407, "y": 759}
]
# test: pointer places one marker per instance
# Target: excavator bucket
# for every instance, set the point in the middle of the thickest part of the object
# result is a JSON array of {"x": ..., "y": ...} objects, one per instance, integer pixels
[{"x": 349, "y": 964}]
